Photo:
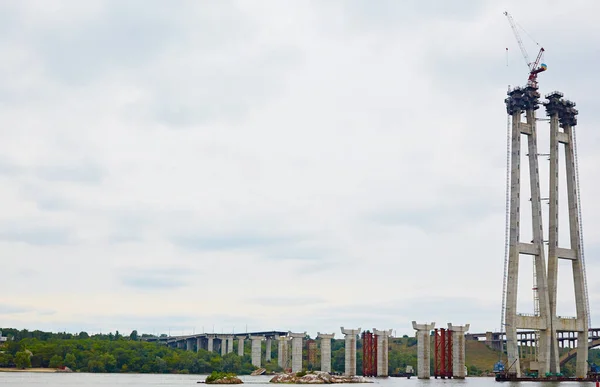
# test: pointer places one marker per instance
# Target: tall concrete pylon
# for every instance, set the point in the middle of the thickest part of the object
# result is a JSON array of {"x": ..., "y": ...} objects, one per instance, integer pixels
[
  {"x": 325, "y": 350},
  {"x": 297, "y": 350},
  {"x": 268, "y": 349},
  {"x": 563, "y": 115},
  {"x": 350, "y": 350},
  {"x": 382, "y": 351},
  {"x": 283, "y": 352},
  {"x": 230, "y": 344},
  {"x": 241, "y": 345},
  {"x": 256, "y": 348},
  {"x": 423, "y": 349},
  {"x": 526, "y": 100},
  {"x": 458, "y": 350}
]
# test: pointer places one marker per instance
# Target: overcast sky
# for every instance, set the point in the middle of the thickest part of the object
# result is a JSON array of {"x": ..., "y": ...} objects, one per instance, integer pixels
[{"x": 179, "y": 166}]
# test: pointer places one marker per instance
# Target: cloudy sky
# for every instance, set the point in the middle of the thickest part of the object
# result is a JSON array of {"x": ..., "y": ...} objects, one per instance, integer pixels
[{"x": 294, "y": 165}]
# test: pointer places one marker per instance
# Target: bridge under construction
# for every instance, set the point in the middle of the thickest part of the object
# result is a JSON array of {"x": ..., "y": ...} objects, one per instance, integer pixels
[{"x": 544, "y": 323}]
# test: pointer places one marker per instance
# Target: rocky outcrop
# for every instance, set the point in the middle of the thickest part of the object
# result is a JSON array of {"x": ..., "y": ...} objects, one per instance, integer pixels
[
  {"x": 226, "y": 380},
  {"x": 317, "y": 378}
]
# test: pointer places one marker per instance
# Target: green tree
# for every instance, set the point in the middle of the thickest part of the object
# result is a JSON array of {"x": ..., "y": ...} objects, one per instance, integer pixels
[
  {"x": 83, "y": 335},
  {"x": 55, "y": 362},
  {"x": 134, "y": 335},
  {"x": 70, "y": 361},
  {"x": 6, "y": 359},
  {"x": 22, "y": 360},
  {"x": 231, "y": 363}
]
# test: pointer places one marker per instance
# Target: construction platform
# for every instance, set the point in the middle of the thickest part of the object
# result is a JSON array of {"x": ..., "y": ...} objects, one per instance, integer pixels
[{"x": 514, "y": 378}]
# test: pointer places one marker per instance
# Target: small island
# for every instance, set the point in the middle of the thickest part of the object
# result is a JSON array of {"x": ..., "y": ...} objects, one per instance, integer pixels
[
  {"x": 316, "y": 377},
  {"x": 222, "y": 378}
]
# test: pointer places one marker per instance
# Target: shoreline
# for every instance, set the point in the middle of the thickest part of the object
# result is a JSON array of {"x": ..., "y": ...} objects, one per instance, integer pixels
[{"x": 36, "y": 370}]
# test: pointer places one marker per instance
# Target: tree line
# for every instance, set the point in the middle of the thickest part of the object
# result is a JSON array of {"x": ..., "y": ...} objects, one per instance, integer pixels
[{"x": 118, "y": 353}]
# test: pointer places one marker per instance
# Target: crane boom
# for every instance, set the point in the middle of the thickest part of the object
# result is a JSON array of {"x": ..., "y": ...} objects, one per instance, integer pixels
[
  {"x": 513, "y": 26},
  {"x": 534, "y": 67}
]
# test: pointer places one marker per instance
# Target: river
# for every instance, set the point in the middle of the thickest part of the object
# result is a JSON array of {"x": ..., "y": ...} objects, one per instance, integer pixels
[{"x": 25, "y": 379}]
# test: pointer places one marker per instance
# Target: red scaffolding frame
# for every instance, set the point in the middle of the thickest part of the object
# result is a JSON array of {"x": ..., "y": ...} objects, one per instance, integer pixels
[
  {"x": 369, "y": 354},
  {"x": 442, "y": 365}
]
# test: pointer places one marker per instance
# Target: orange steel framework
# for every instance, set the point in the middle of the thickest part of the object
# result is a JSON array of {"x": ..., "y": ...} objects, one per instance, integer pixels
[
  {"x": 442, "y": 339},
  {"x": 369, "y": 354}
]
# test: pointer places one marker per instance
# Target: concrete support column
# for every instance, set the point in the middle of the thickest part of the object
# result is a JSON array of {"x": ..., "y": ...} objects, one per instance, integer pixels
[
  {"x": 423, "y": 349},
  {"x": 268, "y": 349},
  {"x": 229, "y": 344},
  {"x": 325, "y": 350},
  {"x": 189, "y": 345},
  {"x": 241, "y": 346},
  {"x": 256, "y": 350},
  {"x": 181, "y": 344},
  {"x": 223, "y": 346},
  {"x": 350, "y": 350},
  {"x": 297, "y": 350},
  {"x": 458, "y": 350},
  {"x": 198, "y": 343},
  {"x": 382, "y": 351},
  {"x": 283, "y": 352},
  {"x": 210, "y": 346}
]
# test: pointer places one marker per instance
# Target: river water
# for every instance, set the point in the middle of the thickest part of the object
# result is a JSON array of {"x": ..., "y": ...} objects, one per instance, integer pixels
[{"x": 24, "y": 379}]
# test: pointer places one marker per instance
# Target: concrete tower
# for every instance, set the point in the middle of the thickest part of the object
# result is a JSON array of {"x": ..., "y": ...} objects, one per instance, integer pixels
[
  {"x": 382, "y": 351},
  {"x": 458, "y": 350},
  {"x": 423, "y": 349},
  {"x": 297, "y": 350},
  {"x": 563, "y": 115},
  {"x": 325, "y": 350},
  {"x": 526, "y": 100},
  {"x": 350, "y": 350},
  {"x": 283, "y": 352}
]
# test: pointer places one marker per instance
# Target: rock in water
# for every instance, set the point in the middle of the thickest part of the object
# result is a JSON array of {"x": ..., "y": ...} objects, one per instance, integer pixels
[{"x": 317, "y": 377}]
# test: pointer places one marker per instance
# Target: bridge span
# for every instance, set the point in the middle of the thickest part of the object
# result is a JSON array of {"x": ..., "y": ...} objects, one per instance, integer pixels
[{"x": 527, "y": 338}]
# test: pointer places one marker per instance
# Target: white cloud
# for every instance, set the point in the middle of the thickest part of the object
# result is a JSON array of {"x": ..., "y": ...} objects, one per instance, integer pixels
[{"x": 283, "y": 167}]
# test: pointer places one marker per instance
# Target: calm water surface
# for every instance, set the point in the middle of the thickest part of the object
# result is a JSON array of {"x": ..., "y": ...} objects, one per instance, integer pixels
[{"x": 23, "y": 379}]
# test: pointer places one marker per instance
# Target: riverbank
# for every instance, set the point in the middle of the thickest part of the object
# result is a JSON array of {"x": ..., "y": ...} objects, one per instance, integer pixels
[{"x": 37, "y": 370}]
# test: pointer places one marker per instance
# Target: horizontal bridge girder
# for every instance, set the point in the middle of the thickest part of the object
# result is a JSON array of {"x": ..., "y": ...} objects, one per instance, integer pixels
[
  {"x": 528, "y": 249},
  {"x": 566, "y": 253},
  {"x": 563, "y": 138},
  {"x": 569, "y": 324},
  {"x": 524, "y": 128},
  {"x": 531, "y": 322}
]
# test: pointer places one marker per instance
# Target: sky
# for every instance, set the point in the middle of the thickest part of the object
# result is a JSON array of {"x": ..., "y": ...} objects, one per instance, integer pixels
[{"x": 215, "y": 166}]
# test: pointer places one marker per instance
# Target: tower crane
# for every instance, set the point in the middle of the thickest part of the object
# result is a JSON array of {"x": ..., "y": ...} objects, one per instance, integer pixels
[{"x": 535, "y": 67}]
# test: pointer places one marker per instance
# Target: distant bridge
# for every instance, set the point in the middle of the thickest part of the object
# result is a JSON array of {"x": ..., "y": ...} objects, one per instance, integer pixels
[
  {"x": 496, "y": 340},
  {"x": 175, "y": 339}
]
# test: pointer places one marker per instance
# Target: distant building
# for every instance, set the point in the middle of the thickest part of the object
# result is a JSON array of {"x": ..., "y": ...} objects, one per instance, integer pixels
[{"x": 2, "y": 339}]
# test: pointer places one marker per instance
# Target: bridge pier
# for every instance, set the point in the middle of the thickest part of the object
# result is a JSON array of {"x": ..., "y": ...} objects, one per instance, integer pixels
[
  {"x": 382, "y": 351},
  {"x": 423, "y": 349},
  {"x": 189, "y": 345},
  {"x": 210, "y": 345},
  {"x": 268, "y": 349},
  {"x": 297, "y": 350},
  {"x": 458, "y": 350},
  {"x": 223, "y": 343},
  {"x": 325, "y": 350},
  {"x": 350, "y": 350},
  {"x": 241, "y": 346},
  {"x": 283, "y": 352},
  {"x": 229, "y": 344},
  {"x": 256, "y": 350}
]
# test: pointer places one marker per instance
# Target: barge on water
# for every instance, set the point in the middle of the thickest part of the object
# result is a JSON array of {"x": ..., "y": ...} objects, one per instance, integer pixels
[{"x": 503, "y": 375}]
